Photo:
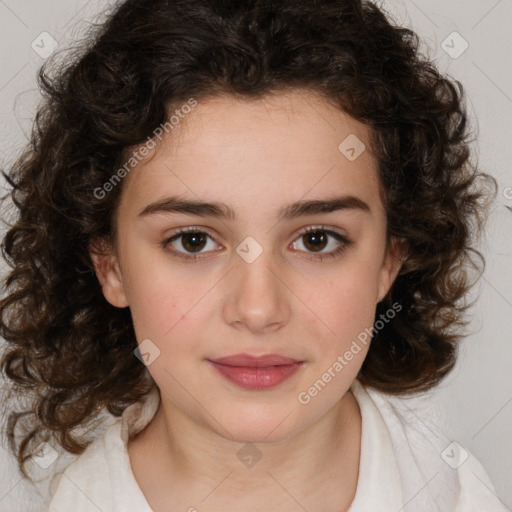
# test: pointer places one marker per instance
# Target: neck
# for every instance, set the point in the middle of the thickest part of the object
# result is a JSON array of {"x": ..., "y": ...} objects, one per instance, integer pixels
[{"x": 196, "y": 458}]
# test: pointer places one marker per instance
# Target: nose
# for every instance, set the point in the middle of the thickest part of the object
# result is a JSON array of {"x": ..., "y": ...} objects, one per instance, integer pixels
[{"x": 256, "y": 298}]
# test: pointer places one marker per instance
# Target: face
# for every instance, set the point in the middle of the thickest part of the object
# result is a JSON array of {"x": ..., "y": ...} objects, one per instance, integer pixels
[{"x": 287, "y": 258}]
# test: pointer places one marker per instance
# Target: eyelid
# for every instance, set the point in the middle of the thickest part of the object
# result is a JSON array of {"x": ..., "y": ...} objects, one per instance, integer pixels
[
  {"x": 320, "y": 227},
  {"x": 181, "y": 231},
  {"x": 344, "y": 240}
]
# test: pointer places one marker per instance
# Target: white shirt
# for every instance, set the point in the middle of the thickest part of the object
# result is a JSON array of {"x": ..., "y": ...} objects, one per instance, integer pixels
[{"x": 392, "y": 476}]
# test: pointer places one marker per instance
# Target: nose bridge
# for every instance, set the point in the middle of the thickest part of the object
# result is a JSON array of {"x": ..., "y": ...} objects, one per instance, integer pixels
[
  {"x": 257, "y": 297},
  {"x": 256, "y": 272}
]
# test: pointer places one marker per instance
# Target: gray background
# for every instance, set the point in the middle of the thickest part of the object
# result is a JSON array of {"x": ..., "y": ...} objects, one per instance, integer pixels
[{"x": 477, "y": 397}]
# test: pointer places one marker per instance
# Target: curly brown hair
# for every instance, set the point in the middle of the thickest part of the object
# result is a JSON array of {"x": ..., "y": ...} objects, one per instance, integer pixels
[{"x": 72, "y": 351}]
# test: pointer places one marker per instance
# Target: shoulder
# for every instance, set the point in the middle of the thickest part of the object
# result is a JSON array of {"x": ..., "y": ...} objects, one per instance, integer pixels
[
  {"x": 102, "y": 474},
  {"x": 435, "y": 472},
  {"x": 477, "y": 491},
  {"x": 17, "y": 494},
  {"x": 89, "y": 477}
]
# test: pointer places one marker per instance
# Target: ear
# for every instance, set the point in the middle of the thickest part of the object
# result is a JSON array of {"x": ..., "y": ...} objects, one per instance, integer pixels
[
  {"x": 393, "y": 260},
  {"x": 108, "y": 272}
]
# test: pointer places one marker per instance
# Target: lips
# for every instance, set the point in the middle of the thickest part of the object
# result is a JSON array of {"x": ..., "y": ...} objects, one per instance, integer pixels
[
  {"x": 255, "y": 373},
  {"x": 255, "y": 362}
]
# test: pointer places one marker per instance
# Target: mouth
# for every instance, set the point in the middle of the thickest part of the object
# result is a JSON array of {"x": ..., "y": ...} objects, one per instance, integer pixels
[{"x": 255, "y": 373}]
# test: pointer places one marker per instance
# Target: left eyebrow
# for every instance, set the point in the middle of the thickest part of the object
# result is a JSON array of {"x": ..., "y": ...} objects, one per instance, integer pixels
[
  {"x": 223, "y": 211},
  {"x": 323, "y": 206}
]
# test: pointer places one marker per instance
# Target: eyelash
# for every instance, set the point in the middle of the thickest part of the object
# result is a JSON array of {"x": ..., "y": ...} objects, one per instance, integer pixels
[{"x": 345, "y": 242}]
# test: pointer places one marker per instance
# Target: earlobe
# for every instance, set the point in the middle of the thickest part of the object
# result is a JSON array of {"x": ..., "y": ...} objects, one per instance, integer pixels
[
  {"x": 108, "y": 272},
  {"x": 391, "y": 266}
]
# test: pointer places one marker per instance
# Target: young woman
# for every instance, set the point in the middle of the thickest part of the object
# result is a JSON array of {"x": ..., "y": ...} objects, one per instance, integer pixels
[{"x": 243, "y": 230}]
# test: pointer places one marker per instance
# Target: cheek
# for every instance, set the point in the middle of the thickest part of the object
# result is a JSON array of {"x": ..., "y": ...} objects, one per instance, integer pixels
[
  {"x": 161, "y": 308},
  {"x": 170, "y": 317},
  {"x": 171, "y": 306},
  {"x": 345, "y": 305},
  {"x": 159, "y": 295}
]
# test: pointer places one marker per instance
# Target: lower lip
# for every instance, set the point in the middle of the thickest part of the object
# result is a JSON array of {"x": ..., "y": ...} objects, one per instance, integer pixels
[{"x": 256, "y": 378}]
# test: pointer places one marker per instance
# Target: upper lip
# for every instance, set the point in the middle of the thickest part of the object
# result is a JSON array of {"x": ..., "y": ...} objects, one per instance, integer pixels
[{"x": 255, "y": 361}]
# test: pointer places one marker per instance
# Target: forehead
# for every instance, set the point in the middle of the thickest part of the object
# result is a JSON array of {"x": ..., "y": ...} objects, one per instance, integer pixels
[{"x": 266, "y": 151}]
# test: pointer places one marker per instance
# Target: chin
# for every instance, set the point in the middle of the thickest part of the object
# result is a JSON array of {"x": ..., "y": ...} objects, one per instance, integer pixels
[{"x": 264, "y": 427}]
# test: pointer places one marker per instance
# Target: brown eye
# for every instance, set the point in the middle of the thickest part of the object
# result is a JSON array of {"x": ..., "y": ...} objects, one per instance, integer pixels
[
  {"x": 193, "y": 242},
  {"x": 315, "y": 240},
  {"x": 189, "y": 243}
]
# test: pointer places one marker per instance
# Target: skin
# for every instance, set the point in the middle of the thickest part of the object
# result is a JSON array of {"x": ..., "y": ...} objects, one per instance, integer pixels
[{"x": 256, "y": 156}]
